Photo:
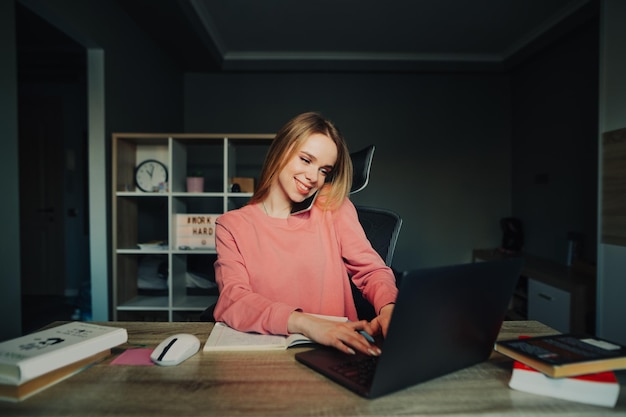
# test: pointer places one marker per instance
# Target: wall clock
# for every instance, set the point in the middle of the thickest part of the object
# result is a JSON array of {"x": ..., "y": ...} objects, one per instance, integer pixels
[{"x": 150, "y": 174}]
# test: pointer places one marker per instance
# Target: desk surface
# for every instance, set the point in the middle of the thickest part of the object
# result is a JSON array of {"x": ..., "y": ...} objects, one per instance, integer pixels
[{"x": 273, "y": 383}]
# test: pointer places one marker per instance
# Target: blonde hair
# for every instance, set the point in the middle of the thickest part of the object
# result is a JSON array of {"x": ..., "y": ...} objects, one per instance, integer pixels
[{"x": 287, "y": 143}]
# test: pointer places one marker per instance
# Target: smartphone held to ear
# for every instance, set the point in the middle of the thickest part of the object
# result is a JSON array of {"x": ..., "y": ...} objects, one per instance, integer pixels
[{"x": 304, "y": 205}]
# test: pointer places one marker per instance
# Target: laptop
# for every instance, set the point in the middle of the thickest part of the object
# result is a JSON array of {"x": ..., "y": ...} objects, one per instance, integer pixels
[{"x": 445, "y": 319}]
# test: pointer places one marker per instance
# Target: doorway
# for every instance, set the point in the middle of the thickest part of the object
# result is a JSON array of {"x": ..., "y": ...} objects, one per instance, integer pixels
[{"x": 54, "y": 223}]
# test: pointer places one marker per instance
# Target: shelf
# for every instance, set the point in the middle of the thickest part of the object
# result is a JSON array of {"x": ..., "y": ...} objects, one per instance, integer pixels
[
  {"x": 198, "y": 195},
  {"x": 139, "y": 217},
  {"x": 193, "y": 302},
  {"x": 193, "y": 251},
  {"x": 143, "y": 302}
]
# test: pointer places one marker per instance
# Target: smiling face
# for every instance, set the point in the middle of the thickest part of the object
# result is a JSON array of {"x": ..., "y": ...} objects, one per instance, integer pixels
[
  {"x": 307, "y": 170},
  {"x": 308, "y": 154}
]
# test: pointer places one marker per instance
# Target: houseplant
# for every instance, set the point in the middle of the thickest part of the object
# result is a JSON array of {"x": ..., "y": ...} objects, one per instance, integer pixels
[{"x": 195, "y": 181}]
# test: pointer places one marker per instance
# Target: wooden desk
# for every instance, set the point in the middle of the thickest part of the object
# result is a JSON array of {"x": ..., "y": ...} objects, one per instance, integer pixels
[{"x": 274, "y": 384}]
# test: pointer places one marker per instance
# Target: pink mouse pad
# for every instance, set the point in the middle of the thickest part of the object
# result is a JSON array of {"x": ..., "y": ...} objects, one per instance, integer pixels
[{"x": 137, "y": 357}]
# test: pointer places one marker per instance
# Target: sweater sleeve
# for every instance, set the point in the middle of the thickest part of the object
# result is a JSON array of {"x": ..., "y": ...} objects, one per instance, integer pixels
[
  {"x": 367, "y": 269},
  {"x": 238, "y": 304}
]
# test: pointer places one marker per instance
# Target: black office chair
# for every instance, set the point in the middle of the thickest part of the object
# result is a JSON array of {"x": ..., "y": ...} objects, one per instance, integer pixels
[
  {"x": 361, "y": 164},
  {"x": 381, "y": 226}
]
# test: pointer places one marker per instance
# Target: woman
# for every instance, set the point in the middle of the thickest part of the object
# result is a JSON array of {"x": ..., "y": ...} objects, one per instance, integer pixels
[{"x": 278, "y": 263}]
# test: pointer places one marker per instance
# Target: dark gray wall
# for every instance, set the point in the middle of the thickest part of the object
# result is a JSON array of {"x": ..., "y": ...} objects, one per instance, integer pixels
[
  {"x": 143, "y": 85},
  {"x": 143, "y": 92},
  {"x": 10, "y": 305},
  {"x": 443, "y": 144},
  {"x": 455, "y": 152},
  {"x": 555, "y": 130},
  {"x": 612, "y": 258}
]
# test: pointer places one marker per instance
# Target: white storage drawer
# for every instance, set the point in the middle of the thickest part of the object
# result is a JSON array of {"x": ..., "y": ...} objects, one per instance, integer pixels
[{"x": 549, "y": 305}]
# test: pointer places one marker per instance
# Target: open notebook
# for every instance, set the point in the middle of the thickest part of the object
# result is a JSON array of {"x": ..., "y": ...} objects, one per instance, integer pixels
[{"x": 445, "y": 319}]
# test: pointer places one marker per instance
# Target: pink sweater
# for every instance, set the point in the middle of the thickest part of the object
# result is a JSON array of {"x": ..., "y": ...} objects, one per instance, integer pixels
[{"x": 267, "y": 268}]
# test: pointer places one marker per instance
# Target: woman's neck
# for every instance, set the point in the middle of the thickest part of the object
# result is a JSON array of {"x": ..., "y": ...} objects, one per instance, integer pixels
[{"x": 274, "y": 209}]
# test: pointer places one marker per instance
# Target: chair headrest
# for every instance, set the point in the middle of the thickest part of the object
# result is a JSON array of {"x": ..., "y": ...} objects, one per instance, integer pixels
[{"x": 361, "y": 163}]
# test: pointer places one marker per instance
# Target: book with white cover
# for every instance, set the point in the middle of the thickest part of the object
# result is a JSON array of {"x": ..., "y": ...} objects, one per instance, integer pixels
[
  {"x": 225, "y": 338},
  {"x": 35, "y": 354},
  {"x": 16, "y": 393},
  {"x": 597, "y": 389}
]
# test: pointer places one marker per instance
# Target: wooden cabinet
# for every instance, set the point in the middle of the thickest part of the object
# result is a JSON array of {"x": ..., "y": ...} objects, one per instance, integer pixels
[
  {"x": 153, "y": 279},
  {"x": 559, "y": 296}
]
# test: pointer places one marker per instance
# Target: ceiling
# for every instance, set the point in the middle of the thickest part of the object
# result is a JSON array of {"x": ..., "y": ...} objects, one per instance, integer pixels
[{"x": 353, "y": 35}]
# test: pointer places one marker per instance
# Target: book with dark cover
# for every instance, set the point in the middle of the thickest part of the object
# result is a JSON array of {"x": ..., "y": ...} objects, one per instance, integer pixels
[{"x": 565, "y": 355}]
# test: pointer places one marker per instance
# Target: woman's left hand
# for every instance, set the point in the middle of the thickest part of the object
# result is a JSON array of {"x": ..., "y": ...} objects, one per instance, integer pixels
[{"x": 380, "y": 323}]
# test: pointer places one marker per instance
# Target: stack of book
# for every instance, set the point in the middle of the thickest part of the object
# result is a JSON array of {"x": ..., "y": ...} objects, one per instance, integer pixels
[
  {"x": 566, "y": 366},
  {"x": 31, "y": 363}
]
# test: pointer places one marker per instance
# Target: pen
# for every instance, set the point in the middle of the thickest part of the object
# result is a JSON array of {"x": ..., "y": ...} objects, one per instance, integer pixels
[{"x": 367, "y": 336}]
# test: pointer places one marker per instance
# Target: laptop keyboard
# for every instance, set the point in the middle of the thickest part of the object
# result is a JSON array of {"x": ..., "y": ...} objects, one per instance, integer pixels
[{"x": 360, "y": 370}]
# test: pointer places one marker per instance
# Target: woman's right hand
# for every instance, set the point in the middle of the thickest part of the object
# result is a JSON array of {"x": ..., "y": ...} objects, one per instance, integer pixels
[{"x": 343, "y": 336}]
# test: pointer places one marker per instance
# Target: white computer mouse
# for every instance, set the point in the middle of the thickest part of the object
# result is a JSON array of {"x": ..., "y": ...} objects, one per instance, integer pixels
[{"x": 175, "y": 349}]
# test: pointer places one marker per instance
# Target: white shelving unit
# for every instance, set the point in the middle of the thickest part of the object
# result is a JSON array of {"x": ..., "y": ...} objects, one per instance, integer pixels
[{"x": 167, "y": 283}]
